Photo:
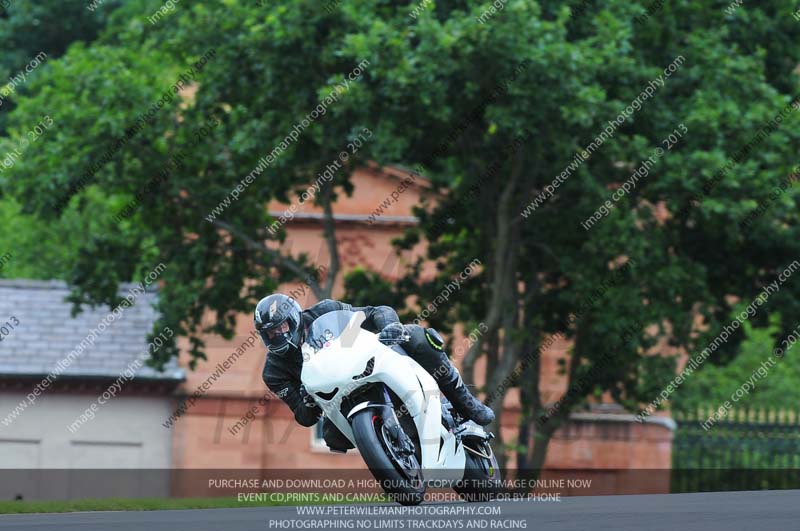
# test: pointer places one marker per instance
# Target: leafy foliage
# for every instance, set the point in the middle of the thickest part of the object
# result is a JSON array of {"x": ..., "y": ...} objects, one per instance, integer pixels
[
  {"x": 228, "y": 116},
  {"x": 679, "y": 231},
  {"x": 494, "y": 111},
  {"x": 29, "y": 28},
  {"x": 715, "y": 384}
]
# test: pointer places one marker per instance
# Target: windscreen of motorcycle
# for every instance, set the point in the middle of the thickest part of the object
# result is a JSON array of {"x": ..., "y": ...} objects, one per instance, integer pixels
[{"x": 343, "y": 324}]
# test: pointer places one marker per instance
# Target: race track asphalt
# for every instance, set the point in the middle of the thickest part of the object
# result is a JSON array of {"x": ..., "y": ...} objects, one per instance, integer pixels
[{"x": 720, "y": 511}]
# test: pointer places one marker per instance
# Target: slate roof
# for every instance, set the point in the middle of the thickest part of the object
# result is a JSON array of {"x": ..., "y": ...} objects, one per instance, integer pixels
[{"x": 47, "y": 333}]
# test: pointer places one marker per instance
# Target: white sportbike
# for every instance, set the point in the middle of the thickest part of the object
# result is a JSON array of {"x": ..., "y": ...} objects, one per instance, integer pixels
[{"x": 392, "y": 410}]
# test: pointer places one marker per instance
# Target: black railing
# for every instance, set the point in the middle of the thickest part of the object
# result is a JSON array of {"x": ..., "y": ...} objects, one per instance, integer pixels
[{"x": 748, "y": 449}]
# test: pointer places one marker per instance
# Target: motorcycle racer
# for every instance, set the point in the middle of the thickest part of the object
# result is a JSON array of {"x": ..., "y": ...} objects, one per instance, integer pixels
[{"x": 283, "y": 324}]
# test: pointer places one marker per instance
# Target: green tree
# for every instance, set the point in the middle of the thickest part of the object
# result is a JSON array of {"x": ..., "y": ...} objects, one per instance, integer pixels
[
  {"x": 492, "y": 109},
  {"x": 27, "y": 29},
  {"x": 30, "y": 28},
  {"x": 186, "y": 176},
  {"x": 38, "y": 249},
  {"x": 495, "y": 151},
  {"x": 777, "y": 388}
]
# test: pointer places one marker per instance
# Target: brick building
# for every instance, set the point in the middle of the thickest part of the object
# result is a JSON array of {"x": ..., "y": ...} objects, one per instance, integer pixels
[
  {"x": 88, "y": 414},
  {"x": 156, "y": 425}
]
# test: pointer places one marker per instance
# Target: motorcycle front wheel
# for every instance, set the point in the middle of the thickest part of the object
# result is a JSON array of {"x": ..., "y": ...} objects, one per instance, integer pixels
[{"x": 398, "y": 472}]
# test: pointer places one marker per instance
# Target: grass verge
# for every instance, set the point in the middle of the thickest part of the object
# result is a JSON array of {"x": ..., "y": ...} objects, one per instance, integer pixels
[{"x": 126, "y": 504}]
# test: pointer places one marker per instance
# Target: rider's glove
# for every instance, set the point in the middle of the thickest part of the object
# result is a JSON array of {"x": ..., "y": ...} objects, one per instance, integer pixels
[
  {"x": 308, "y": 400},
  {"x": 394, "y": 334}
]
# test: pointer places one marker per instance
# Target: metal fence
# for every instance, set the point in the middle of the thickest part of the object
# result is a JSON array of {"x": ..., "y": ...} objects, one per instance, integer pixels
[{"x": 749, "y": 449}]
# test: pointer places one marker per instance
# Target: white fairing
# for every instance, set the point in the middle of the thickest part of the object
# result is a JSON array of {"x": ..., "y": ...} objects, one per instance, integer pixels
[{"x": 335, "y": 365}]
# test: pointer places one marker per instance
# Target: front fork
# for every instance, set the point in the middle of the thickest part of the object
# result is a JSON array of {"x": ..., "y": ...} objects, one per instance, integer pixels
[{"x": 399, "y": 437}]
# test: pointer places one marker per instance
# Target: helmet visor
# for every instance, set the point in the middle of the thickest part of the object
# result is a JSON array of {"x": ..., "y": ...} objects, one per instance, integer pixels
[
  {"x": 277, "y": 338},
  {"x": 277, "y": 330}
]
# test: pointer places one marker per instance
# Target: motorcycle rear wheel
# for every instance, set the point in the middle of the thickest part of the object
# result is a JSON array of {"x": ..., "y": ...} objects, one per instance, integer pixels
[
  {"x": 482, "y": 480},
  {"x": 399, "y": 476}
]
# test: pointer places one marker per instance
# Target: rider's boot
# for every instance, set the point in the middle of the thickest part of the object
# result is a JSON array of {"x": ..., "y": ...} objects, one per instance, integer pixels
[
  {"x": 428, "y": 350},
  {"x": 464, "y": 402}
]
